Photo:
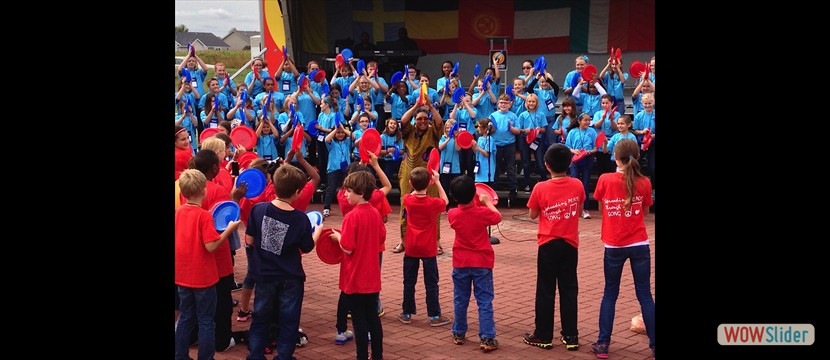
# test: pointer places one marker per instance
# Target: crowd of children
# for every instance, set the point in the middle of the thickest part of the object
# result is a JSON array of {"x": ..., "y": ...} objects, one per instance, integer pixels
[{"x": 340, "y": 111}]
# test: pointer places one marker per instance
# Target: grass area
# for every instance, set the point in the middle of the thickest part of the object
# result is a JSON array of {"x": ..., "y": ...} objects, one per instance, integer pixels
[{"x": 233, "y": 59}]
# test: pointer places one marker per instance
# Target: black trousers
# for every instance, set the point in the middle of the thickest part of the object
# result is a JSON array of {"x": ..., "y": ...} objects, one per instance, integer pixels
[
  {"x": 556, "y": 265},
  {"x": 366, "y": 321}
]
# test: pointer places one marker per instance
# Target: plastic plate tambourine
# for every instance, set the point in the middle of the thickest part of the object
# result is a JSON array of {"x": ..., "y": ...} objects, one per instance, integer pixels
[
  {"x": 588, "y": 72},
  {"x": 206, "y": 133},
  {"x": 339, "y": 61},
  {"x": 361, "y": 65},
  {"x": 458, "y": 95},
  {"x": 618, "y": 54},
  {"x": 509, "y": 91},
  {"x": 397, "y": 154},
  {"x": 245, "y": 136},
  {"x": 483, "y": 189},
  {"x": 319, "y": 76},
  {"x": 369, "y": 142},
  {"x": 297, "y": 138},
  {"x": 245, "y": 159},
  {"x": 347, "y": 54},
  {"x": 531, "y": 135},
  {"x": 223, "y": 213},
  {"x": 434, "y": 162},
  {"x": 328, "y": 250},
  {"x": 453, "y": 129},
  {"x": 464, "y": 140},
  {"x": 311, "y": 129},
  {"x": 397, "y": 76},
  {"x": 582, "y": 153},
  {"x": 477, "y": 69},
  {"x": 636, "y": 68},
  {"x": 646, "y": 139},
  {"x": 600, "y": 139},
  {"x": 256, "y": 182},
  {"x": 315, "y": 217}
]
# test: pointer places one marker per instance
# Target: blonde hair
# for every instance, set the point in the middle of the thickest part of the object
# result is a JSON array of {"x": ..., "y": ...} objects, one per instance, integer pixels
[
  {"x": 191, "y": 183},
  {"x": 214, "y": 144}
]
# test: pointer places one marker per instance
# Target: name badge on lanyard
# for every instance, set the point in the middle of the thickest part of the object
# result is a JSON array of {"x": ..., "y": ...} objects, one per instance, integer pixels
[
  {"x": 321, "y": 137},
  {"x": 463, "y": 126},
  {"x": 550, "y": 104},
  {"x": 475, "y": 168},
  {"x": 286, "y": 85},
  {"x": 446, "y": 168},
  {"x": 534, "y": 145}
]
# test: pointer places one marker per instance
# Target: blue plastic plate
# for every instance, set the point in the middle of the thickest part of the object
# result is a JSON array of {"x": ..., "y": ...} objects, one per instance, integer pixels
[
  {"x": 225, "y": 212},
  {"x": 256, "y": 182},
  {"x": 458, "y": 95},
  {"x": 397, "y": 76},
  {"x": 347, "y": 54},
  {"x": 316, "y": 218}
]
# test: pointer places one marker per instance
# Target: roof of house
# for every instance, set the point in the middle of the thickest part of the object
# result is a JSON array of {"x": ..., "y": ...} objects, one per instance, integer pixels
[
  {"x": 208, "y": 39},
  {"x": 244, "y": 34}
]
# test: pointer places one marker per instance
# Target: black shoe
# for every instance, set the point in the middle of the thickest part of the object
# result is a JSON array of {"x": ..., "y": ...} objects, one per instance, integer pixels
[
  {"x": 236, "y": 286},
  {"x": 571, "y": 342}
]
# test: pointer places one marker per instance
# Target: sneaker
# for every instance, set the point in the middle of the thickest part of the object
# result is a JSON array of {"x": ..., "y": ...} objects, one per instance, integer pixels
[
  {"x": 585, "y": 214},
  {"x": 342, "y": 337},
  {"x": 531, "y": 339},
  {"x": 326, "y": 213},
  {"x": 571, "y": 342},
  {"x": 370, "y": 338},
  {"x": 600, "y": 349},
  {"x": 243, "y": 316},
  {"x": 405, "y": 318},
  {"x": 230, "y": 345},
  {"x": 398, "y": 249},
  {"x": 302, "y": 338},
  {"x": 527, "y": 190},
  {"x": 349, "y": 315},
  {"x": 459, "y": 339},
  {"x": 381, "y": 313},
  {"x": 488, "y": 344},
  {"x": 236, "y": 286},
  {"x": 438, "y": 320}
]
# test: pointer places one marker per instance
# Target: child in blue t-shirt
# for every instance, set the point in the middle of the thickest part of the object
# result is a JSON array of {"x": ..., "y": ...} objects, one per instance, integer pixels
[{"x": 339, "y": 143}]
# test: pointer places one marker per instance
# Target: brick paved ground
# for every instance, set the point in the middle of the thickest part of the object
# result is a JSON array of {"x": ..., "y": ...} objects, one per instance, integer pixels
[{"x": 514, "y": 279}]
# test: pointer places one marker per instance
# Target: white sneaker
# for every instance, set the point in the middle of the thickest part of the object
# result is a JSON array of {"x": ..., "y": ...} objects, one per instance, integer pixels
[
  {"x": 326, "y": 212},
  {"x": 342, "y": 337},
  {"x": 585, "y": 214},
  {"x": 230, "y": 345}
]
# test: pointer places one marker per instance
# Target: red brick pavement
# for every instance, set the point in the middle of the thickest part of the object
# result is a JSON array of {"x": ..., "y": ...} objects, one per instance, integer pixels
[{"x": 515, "y": 284}]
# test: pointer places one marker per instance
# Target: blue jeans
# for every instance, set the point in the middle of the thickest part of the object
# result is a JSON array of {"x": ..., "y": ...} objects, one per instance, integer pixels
[
  {"x": 281, "y": 299},
  {"x": 582, "y": 171},
  {"x": 481, "y": 280},
  {"x": 335, "y": 180},
  {"x": 410, "y": 277},
  {"x": 614, "y": 260},
  {"x": 196, "y": 305}
]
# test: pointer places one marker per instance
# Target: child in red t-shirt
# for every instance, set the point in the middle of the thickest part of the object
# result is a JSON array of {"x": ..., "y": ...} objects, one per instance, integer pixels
[
  {"x": 361, "y": 234},
  {"x": 196, "y": 274},
  {"x": 624, "y": 198},
  {"x": 379, "y": 202},
  {"x": 421, "y": 234},
  {"x": 558, "y": 201},
  {"x": 472, "y": 261}
]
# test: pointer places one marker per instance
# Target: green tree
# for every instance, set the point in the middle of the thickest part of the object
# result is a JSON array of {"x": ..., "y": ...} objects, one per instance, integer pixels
[{"x": 182, "y": 28}]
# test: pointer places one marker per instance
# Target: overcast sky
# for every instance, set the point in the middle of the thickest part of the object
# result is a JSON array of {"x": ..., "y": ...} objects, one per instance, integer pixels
[{"x": 218, "y": 16}]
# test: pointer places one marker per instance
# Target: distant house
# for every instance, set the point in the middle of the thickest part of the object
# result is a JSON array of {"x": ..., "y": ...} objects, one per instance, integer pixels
[
  {"x": 201, "y": 40},
  {"x": 239, "y": 40}
]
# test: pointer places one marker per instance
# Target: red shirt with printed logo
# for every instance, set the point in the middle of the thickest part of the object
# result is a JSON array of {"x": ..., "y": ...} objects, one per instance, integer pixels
[
  {"x": 559, "y": 203},
  {"x": 622, "y": 226}
]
